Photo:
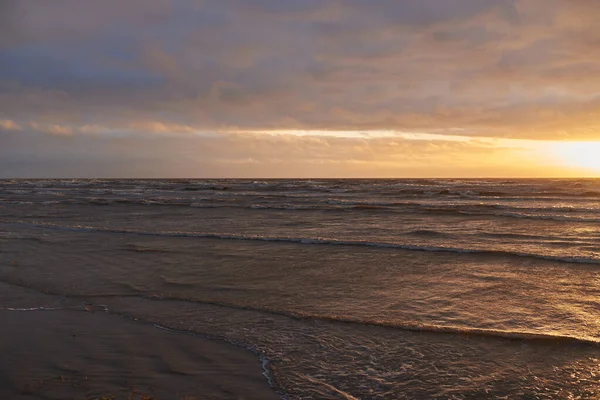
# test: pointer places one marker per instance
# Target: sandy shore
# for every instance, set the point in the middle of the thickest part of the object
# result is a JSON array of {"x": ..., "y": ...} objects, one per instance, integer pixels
[{"x": 69, "y": 354}]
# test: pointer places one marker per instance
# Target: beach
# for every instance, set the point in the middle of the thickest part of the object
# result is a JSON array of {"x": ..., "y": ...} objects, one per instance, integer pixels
[{"x": 74, "y": 351}]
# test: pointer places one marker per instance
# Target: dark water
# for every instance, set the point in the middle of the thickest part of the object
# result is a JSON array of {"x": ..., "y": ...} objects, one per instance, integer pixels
[{"x": 349, "y": 288}]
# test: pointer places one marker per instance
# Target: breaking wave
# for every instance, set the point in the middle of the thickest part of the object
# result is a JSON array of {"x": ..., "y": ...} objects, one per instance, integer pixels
[{"x": 313, "y": 241}]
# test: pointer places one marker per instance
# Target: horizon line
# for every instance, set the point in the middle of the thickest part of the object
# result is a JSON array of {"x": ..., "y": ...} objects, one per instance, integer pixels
[{"x": 312, "y": 178}]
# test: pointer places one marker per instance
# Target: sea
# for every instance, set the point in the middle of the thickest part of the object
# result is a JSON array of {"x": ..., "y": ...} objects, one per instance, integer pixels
[{"x": 349, "y": 289}]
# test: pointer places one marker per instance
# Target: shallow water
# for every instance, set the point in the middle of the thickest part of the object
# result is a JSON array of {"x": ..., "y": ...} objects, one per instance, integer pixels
[{"x": 351, "y": 289}]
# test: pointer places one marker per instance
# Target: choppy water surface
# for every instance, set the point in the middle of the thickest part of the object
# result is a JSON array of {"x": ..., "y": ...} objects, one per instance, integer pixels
[{"x": 349, "y": 288}]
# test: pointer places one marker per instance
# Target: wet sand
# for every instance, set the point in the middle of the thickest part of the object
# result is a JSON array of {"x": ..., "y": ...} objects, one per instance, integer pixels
[{"x": 76, "y": 354}]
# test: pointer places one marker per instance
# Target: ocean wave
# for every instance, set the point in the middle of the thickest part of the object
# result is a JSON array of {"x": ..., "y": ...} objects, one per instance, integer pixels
[
  {"x": 518, "y": 195},
  {"x": 518, "y": 236},
  {"x": 282, "y": 207},
  {"x": 207, "y": 205},
  {"x": 559, "y": 218},
  {"x": 18, "y": 191},
  {"x": 465, "y": 331},
  {"x": 203, "y": 187},
  {"x": 426, "y": 232},
  {"x": 519, "y": 212},
  {"x": 33, "y": 309},
  {"x": 498, "y": 210},
  {"x": 17, "y": 202},
  {"x": 492, "y": 210},
  {"x": 483, "y": 187},
  {"x": 314, "y": 241},
  {"x": 410, "y": 326}
]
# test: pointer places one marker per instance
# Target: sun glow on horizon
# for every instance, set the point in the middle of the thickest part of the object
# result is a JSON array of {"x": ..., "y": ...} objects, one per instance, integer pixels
[{"x": 584, "y": 155}]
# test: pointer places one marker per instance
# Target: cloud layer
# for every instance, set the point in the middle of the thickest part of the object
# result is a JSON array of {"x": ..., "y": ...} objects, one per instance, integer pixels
[
  {"x": 525, "y": 69},
  {"x": 33, "y": 153}
]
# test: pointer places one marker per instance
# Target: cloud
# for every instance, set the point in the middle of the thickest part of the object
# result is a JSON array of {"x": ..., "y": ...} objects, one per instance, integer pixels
[
  {"x": 9, "y": 125},
  {"x": 524, "y": 69},
  {"x": 36, "y": 153}
]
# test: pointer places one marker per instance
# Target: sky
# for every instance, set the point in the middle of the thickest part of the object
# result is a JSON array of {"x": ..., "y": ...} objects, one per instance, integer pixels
[{"x": 299, "y": 88}]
